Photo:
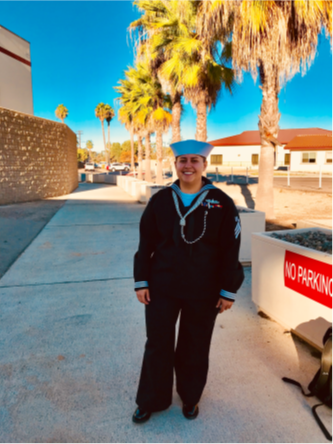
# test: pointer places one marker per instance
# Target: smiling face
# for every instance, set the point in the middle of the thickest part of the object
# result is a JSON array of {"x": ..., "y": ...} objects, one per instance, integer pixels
[{"x": 189, "y": 169}]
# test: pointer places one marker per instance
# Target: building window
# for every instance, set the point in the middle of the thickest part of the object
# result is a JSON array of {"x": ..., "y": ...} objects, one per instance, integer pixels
[
  {"x": 216, "y": 159},
  {"x": 287, "y": 159},
  {"x": 328, "y": 156},
  {"x": 309, "y": 157},
  {"x": 255, "y": 159}
]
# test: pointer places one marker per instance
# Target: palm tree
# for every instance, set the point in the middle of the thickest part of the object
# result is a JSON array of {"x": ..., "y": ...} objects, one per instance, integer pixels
[
  {"x": 156, "y": 27},
  {"x": 153, "y": 106},
  {"x": 105, "y": 112},
  {"x": 61, "y": 112},
  {"x": 145, "y": 104},
  {"x": 89, "y": 146},
  {"x": 328, "y": 18},
  {"x": 162, "y": 120},
  {"x": 140, "y": 132},
  {"x": 278, "y": 39},
  {"x": 126, "y": 111},
  {"x": 100, "y": 114},
  {"x": 189, "y": 64},
  {"x": 199, "y": 67},
  {"x": 109, "y": 114}
]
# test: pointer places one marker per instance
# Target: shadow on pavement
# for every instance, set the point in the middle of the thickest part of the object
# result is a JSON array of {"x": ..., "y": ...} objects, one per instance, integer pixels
[
  {"x": 247, "y": 196},
  {"x": 20, "y": 224}
]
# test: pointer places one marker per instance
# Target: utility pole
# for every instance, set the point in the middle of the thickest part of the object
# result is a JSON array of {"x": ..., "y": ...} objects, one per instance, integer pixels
[{"x": 79, "y": 135}]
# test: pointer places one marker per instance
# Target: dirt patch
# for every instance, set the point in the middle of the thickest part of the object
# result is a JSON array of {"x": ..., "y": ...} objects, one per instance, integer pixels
[{"x": 290, "y": 206}]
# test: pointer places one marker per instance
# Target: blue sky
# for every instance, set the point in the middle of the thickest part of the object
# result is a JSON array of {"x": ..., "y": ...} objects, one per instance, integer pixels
[{"x": 79, "y": 51}]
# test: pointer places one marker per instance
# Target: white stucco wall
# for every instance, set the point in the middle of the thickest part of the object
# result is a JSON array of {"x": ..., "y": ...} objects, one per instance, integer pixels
[
  {"x": 242, "y": 155},
  {"x": 297, "y": 165},
  {"x": 15, "y": 76}
]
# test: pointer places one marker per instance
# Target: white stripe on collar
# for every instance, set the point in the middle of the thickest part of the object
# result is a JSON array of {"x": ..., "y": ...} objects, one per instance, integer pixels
[{"x": 206, "y": 187}]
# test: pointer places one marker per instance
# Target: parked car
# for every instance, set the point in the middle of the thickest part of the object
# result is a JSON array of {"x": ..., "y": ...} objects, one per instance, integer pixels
[
  {"x": 89, "y": 166},
  {"x": 117, "y": 166}
]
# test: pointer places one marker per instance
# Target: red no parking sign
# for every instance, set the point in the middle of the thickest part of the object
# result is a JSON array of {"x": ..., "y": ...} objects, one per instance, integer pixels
[{"x": 309, "y": 277}]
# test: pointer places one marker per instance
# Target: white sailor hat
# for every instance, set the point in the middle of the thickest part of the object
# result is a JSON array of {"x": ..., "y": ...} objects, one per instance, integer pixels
[{"x": 191, "y": 147}]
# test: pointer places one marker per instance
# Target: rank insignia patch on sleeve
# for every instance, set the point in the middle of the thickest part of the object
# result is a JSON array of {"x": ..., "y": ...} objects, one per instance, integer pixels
[{"x": 238, "y": 227}]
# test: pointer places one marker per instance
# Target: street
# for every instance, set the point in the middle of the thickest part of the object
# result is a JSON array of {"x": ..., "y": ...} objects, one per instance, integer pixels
[{"x": 296, "y": 182}]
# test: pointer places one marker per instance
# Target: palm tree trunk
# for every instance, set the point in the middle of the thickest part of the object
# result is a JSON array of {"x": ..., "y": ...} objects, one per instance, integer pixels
[
  {"x": 159, "y": 155},
  {"x": 102, "y": 123},
  {"x": 109, "y": 145},
  {"x": 132, "y": 147},
  {"x": 176, "y": 135},
  {"x": 176, "y": 114},
  {"x": 147, "y": 161},
  {"x": 140, "y": 157},
  {"x": 268, "y": 128},
  {"x": 201, "y": 133}
]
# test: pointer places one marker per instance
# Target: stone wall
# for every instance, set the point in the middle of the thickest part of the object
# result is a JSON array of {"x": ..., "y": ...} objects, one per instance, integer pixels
[{"x": 37, "y": 158}]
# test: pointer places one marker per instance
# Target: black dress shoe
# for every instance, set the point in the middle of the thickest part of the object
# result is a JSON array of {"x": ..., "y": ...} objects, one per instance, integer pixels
[
  {"x": 140, "y": 416},
  {"x": 190, "y": 411}
]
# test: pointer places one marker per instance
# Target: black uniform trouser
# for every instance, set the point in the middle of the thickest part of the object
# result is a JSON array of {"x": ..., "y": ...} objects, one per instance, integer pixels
[{"x": 189, "y": 359}]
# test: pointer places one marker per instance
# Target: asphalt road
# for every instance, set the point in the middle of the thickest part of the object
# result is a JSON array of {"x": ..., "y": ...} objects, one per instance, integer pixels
[
  {"x": 305, "y": 183},
  {"x": 296, "y": 183}
]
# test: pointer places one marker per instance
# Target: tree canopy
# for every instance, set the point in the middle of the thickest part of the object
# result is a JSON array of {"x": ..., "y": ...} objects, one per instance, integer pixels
[{"x": 61, "y": 112}]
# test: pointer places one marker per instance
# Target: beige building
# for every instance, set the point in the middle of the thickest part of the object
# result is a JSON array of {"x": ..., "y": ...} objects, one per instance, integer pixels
[
  {"x": 243, "y": 150},
  {"x": 15, "y": 72}
]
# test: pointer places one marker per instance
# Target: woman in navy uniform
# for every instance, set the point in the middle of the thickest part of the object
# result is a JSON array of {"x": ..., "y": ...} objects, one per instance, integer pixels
[{"x": 187, "y": 264}]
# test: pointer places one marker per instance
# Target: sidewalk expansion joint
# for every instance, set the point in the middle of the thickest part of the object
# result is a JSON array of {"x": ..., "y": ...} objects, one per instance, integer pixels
[{"x": 65, "y": 282}]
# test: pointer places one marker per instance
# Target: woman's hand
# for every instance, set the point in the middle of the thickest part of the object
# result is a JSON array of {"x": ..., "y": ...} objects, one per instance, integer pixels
[
  {"x": 223, "y": 304},
  {"x": 143, "y": 296}
]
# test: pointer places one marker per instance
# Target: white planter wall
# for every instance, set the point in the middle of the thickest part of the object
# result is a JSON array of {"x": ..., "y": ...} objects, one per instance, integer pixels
[
  {"x": 252, "y": 221},
  {"x": 89, "y": 178},
  {"x": 292, "y": 309},
  {"x": 133, "y": 187},
  {"x": 153, "y": 189},
  {"x": 137, "y": 189},
  {"x": 110, "y": 178},
  {"x": 128, "y": 182},
  {"x": 143, "y": 191}
]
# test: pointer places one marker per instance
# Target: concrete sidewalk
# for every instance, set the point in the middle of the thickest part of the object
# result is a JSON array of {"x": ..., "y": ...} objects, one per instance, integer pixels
[{"x": 72, "y": 337}]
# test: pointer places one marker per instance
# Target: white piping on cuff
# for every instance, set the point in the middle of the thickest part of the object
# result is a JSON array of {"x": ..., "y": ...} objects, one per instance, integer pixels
[
  {"x": 141, "y": 284},
  {"x": 227, "y": 294}
]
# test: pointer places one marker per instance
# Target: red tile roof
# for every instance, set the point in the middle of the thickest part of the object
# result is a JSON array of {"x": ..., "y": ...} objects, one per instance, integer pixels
[
  {"x": 253, "y": 137},
  {"x": 317, "y": 142}
]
